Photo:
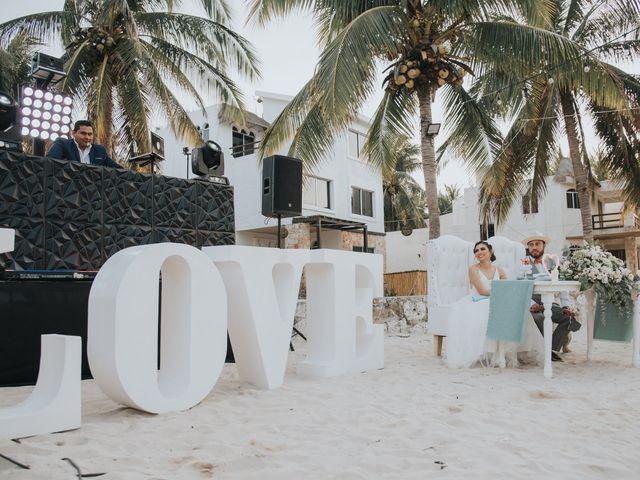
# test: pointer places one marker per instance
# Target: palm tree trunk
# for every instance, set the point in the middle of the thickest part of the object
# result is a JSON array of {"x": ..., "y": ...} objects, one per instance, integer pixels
[
  {"x": 579, "y": 173},
  {"x": 429, "y": 167}
]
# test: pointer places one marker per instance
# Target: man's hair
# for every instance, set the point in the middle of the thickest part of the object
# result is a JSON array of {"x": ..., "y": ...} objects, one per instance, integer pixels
[{"x": 82, "y": 123}]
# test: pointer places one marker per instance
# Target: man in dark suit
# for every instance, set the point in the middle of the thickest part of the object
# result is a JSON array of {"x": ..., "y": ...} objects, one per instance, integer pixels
[{"x": 81, "y": 148}]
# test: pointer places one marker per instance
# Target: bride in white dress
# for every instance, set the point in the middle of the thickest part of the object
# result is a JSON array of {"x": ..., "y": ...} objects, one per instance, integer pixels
[{"x": 467, "y": 342}]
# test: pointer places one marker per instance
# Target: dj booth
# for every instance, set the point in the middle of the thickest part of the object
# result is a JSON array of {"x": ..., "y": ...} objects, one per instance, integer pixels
[{"x": 69, "y": 216}]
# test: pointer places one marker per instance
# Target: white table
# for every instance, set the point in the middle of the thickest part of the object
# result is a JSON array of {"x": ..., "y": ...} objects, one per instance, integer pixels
[{"x": 548, "y": 291}]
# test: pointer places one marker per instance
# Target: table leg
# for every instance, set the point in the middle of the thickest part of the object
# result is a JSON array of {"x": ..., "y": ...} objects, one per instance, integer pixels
[
  {"x": 590, "y": 297},
  {"x": 547, "y": 301},
  {"x": 636, "y": 332}
]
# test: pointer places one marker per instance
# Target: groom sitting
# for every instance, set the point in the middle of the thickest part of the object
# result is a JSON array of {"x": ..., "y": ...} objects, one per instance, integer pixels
[{"x": 560, "y": 314}]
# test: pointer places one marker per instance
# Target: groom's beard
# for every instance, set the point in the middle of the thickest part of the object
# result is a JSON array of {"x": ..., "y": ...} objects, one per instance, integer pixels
[{"x": 537, "y": 255}]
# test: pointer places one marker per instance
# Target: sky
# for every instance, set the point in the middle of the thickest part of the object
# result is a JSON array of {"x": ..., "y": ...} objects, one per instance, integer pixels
[{"x": 288, "y": 54}]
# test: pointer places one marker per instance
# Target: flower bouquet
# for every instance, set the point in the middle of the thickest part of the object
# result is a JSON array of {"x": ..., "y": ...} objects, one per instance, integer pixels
[{"x": 596, "y": 268}]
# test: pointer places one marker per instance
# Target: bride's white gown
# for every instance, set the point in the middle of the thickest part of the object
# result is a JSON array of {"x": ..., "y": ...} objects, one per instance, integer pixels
[{"x": 467, "y": 341}]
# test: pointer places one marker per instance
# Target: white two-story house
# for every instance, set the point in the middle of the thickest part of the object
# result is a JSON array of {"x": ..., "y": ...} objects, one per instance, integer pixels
[{"x": 342, "y": 197}]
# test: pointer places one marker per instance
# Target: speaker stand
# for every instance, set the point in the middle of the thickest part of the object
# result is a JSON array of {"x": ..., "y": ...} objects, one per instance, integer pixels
[{"x": 279, "y": 230}]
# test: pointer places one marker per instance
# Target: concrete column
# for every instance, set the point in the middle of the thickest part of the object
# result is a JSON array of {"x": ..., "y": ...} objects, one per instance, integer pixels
[{"x": 631, "y": 253}]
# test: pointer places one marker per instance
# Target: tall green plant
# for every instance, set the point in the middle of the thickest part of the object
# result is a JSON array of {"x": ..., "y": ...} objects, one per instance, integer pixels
[
  {"x": 446, "y": 198},
  {"x": 554, "y": 98},
  {"x": 126, "y": 61},
  {"x": 15, "y": 58},
  {"x": 404, "y": 200},
  {"x": 424, "y": 47}
]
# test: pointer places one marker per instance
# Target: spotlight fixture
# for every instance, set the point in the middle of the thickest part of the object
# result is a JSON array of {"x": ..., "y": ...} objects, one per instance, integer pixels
[
  {"x": 47, "y": 69},
  {"x": 208, "y": 161},
  {"x": 10, "y": 138},
  {"x": 45, "y": 114},
  {"x": 8, "y": 110},
  {"x": 433, "y": 128}
]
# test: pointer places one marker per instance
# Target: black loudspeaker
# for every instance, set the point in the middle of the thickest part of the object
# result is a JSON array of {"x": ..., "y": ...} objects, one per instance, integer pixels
[{"x": 281, "y": 186}]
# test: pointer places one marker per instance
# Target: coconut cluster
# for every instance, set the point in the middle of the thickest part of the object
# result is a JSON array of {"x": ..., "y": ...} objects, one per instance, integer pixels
[
  {"x": 430, "y": 63},
  {"x": 99, "y": 39}
]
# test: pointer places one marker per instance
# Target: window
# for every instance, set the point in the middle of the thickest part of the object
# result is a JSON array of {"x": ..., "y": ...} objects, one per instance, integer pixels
[
  {"x": 528, "y": 205},
  {"x": 487, "y": 231},
  {"x": 621, "y": 254},
  {"x": 243, "y": 142},
  {"x": 317, "y": 192},
  {"x": 361, "y": 202},
  {"x": 361, "y": 249},
  {"x": 572, "y": 199},
  {"x": 355, "y": 141}
]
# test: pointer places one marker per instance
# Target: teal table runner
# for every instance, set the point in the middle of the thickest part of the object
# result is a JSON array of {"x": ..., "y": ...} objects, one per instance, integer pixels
[{"x": 508, "y": 309}]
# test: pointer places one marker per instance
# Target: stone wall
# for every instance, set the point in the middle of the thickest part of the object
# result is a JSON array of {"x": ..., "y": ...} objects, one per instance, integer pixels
[
  {"x": 398, "y": 314},
  {"x": 401, "y": 314},
  {"x": 355, "y": 239},
  {"x": 298, "y": 236}
]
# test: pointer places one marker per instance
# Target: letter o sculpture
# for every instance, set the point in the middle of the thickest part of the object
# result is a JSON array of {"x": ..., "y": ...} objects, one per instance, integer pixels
[{"x": 123, "y": 327}]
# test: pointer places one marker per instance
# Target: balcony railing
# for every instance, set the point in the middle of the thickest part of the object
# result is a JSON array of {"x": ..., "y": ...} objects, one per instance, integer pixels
[{"x": 603, "y": 221}]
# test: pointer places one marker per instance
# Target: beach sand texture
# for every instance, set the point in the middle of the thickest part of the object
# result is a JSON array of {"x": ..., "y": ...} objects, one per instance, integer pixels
[{"x": 414, "y": 419}]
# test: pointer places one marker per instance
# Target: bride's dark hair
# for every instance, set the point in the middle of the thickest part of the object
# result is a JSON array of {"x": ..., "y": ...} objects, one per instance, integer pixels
[{"x": 493, "y": 257}]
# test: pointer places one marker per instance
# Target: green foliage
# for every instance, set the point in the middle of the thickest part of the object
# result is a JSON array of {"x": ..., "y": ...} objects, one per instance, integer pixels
[
  {"x": 404, "y": 201},
  {"x": 15, "y": 59},
  {"x": 446, "y": 198},
  {"x": 583, "y": 77},
  {"x": 424, "y": 47}
]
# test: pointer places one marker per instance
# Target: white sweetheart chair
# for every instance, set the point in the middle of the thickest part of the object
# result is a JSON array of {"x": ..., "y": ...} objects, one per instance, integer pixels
[{"x": 448, "y": 261}]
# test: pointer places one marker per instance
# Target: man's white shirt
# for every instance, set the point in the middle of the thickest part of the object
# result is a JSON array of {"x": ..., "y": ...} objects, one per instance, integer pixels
[
  {"x": 84, "y": 154},
  {"x": 539, "y": 268}
]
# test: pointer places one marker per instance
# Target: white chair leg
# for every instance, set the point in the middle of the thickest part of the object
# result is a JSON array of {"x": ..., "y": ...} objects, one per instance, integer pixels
[{"x": 500, "y": 358}]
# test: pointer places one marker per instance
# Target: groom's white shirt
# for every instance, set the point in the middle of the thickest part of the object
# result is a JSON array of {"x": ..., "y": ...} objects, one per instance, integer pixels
[{"x": 539, "y": 268}]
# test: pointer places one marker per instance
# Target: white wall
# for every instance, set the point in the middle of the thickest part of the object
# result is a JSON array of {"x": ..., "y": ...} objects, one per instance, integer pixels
[
  {"x": 405, "y": 254},
  {"x": 245, "y": 173}
]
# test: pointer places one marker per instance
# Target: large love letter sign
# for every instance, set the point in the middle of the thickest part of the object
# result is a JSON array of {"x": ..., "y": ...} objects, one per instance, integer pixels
[
  {"x": 340, "y": 290},
  {"x": 54, "y": 404},
  {"x": 262, "y": 288},
  {"x": 123, "y": 327}
]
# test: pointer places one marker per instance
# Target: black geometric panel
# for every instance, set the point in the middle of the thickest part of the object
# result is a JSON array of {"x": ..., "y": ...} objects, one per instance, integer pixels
[
  {"x": 211, "y": 239},
  {"x": 175, "y": 235},
  {"x": 74, "y": 192},
  {"x": 29, "y": 251},
  {"x": 119, "y": 237},
  {"x": 73, "y": 246},
  {"x": 128, "y": 197},
  {"x": 214, "y": 207},
  {"x": 74, "y": 216},
  {"x": 21, "y": 185},
  {"x": 174, "y": 203}
]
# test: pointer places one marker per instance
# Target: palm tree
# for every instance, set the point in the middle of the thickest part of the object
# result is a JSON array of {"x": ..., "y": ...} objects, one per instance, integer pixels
[
  {"x": 403, "y": 197},
  {"x": 15, "y": 59},
  {"x": 125, "y": 59},
  {"x": 425, "y": 46},
  {"x": 556, "y": 98},
  {"x": 446, "y": 199}
]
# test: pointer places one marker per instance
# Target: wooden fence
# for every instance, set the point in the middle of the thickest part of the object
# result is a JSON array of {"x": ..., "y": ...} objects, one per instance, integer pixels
[{"x": 403, "y": 284}]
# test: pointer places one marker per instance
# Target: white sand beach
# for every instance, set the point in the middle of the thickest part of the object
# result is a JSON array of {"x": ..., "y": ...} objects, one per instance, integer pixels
[{"x": 414, "y": 419}]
